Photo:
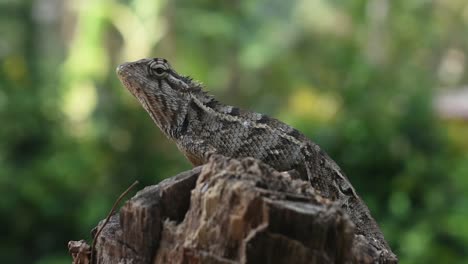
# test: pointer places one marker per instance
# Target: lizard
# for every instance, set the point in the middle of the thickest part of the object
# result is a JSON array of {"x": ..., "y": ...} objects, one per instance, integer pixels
[{"x": 202, "y": 126}]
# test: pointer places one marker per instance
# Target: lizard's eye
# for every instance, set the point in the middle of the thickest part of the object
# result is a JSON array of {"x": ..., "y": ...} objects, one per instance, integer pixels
[{"x": 158, "y": 70}]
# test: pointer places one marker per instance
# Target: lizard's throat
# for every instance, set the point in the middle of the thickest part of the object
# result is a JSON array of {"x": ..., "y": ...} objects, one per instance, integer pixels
[
  {"x": 163, "y": 115},
  {"x": 154, "y": 110}
]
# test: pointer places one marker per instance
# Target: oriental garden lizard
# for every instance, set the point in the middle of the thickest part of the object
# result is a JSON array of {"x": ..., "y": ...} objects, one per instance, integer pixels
[{"x": 201, "y": 126}]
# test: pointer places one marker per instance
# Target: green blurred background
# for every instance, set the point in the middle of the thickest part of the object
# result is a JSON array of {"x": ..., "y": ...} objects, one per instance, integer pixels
[{"x": 381, "y": 85}]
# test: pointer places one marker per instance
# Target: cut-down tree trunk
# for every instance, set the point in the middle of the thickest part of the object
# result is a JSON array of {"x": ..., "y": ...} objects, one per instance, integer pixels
[{"x": 233, "y": 211}]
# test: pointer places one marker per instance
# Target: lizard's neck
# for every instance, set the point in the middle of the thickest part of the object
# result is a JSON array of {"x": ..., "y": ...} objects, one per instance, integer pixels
[
  {"x": 210, "y": 107},
  {"x": 169, "y": 115},
  {"x": 214, "y": 110},
  {"x": 195, "y": 108}
]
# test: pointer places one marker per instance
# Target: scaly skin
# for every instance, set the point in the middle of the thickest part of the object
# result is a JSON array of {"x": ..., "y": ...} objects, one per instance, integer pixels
[{"x": 201, "y": 126}]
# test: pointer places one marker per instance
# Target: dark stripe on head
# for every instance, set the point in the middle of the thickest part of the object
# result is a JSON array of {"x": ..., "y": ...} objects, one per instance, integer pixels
[
  {"x": 184, "y": 126},
  {"x": 177, "y": 76}
]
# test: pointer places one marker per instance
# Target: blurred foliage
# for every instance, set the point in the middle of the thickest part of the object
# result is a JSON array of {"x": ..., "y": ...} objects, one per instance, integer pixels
[{"x": 358, "y": 77}]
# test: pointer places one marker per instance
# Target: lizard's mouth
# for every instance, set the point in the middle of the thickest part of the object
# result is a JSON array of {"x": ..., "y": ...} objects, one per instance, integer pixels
[
  {"x": 122, "y": 73},
  {"x": 128, "y": 74},
  {"x": 129, "y": 81},
  {"x": 122, "y": 69}
]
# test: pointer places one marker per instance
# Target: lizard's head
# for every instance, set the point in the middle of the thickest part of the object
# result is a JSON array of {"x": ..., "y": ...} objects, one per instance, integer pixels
[{"x": 161, "y": 91}]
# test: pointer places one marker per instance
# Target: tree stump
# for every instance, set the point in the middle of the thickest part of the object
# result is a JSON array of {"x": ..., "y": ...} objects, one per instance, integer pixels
[{"x": 231, "y": 211}]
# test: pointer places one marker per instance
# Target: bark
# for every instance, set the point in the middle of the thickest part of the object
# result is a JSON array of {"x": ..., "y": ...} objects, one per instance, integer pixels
[{"x": 229, "y": 211}]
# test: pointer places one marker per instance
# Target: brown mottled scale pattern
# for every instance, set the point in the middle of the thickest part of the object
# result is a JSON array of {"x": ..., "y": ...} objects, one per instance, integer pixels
[
  {"x": 201, "y": 126},
  {"x": 249, "y": 140}
]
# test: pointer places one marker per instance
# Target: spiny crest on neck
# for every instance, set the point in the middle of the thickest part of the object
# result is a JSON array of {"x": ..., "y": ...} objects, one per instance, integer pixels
[{"x": 197, "y": 90}]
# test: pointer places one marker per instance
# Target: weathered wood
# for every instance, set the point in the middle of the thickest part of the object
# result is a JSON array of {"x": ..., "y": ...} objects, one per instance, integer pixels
[
  {"x": 133, "y": 235},
  {"x": 243, "y": 211},
  {"x": 232, "y": 211}
]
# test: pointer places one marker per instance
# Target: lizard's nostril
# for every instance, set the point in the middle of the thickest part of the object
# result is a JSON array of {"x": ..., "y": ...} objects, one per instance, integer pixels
[{"x": 121, "y": 68}]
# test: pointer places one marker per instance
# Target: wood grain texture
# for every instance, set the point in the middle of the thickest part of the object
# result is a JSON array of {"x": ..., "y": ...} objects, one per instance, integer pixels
[{"x": 232, "y": 211}]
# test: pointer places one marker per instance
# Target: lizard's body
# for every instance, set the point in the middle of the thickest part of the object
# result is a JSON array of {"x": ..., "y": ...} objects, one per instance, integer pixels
[{"x": 202, "y": 126}]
